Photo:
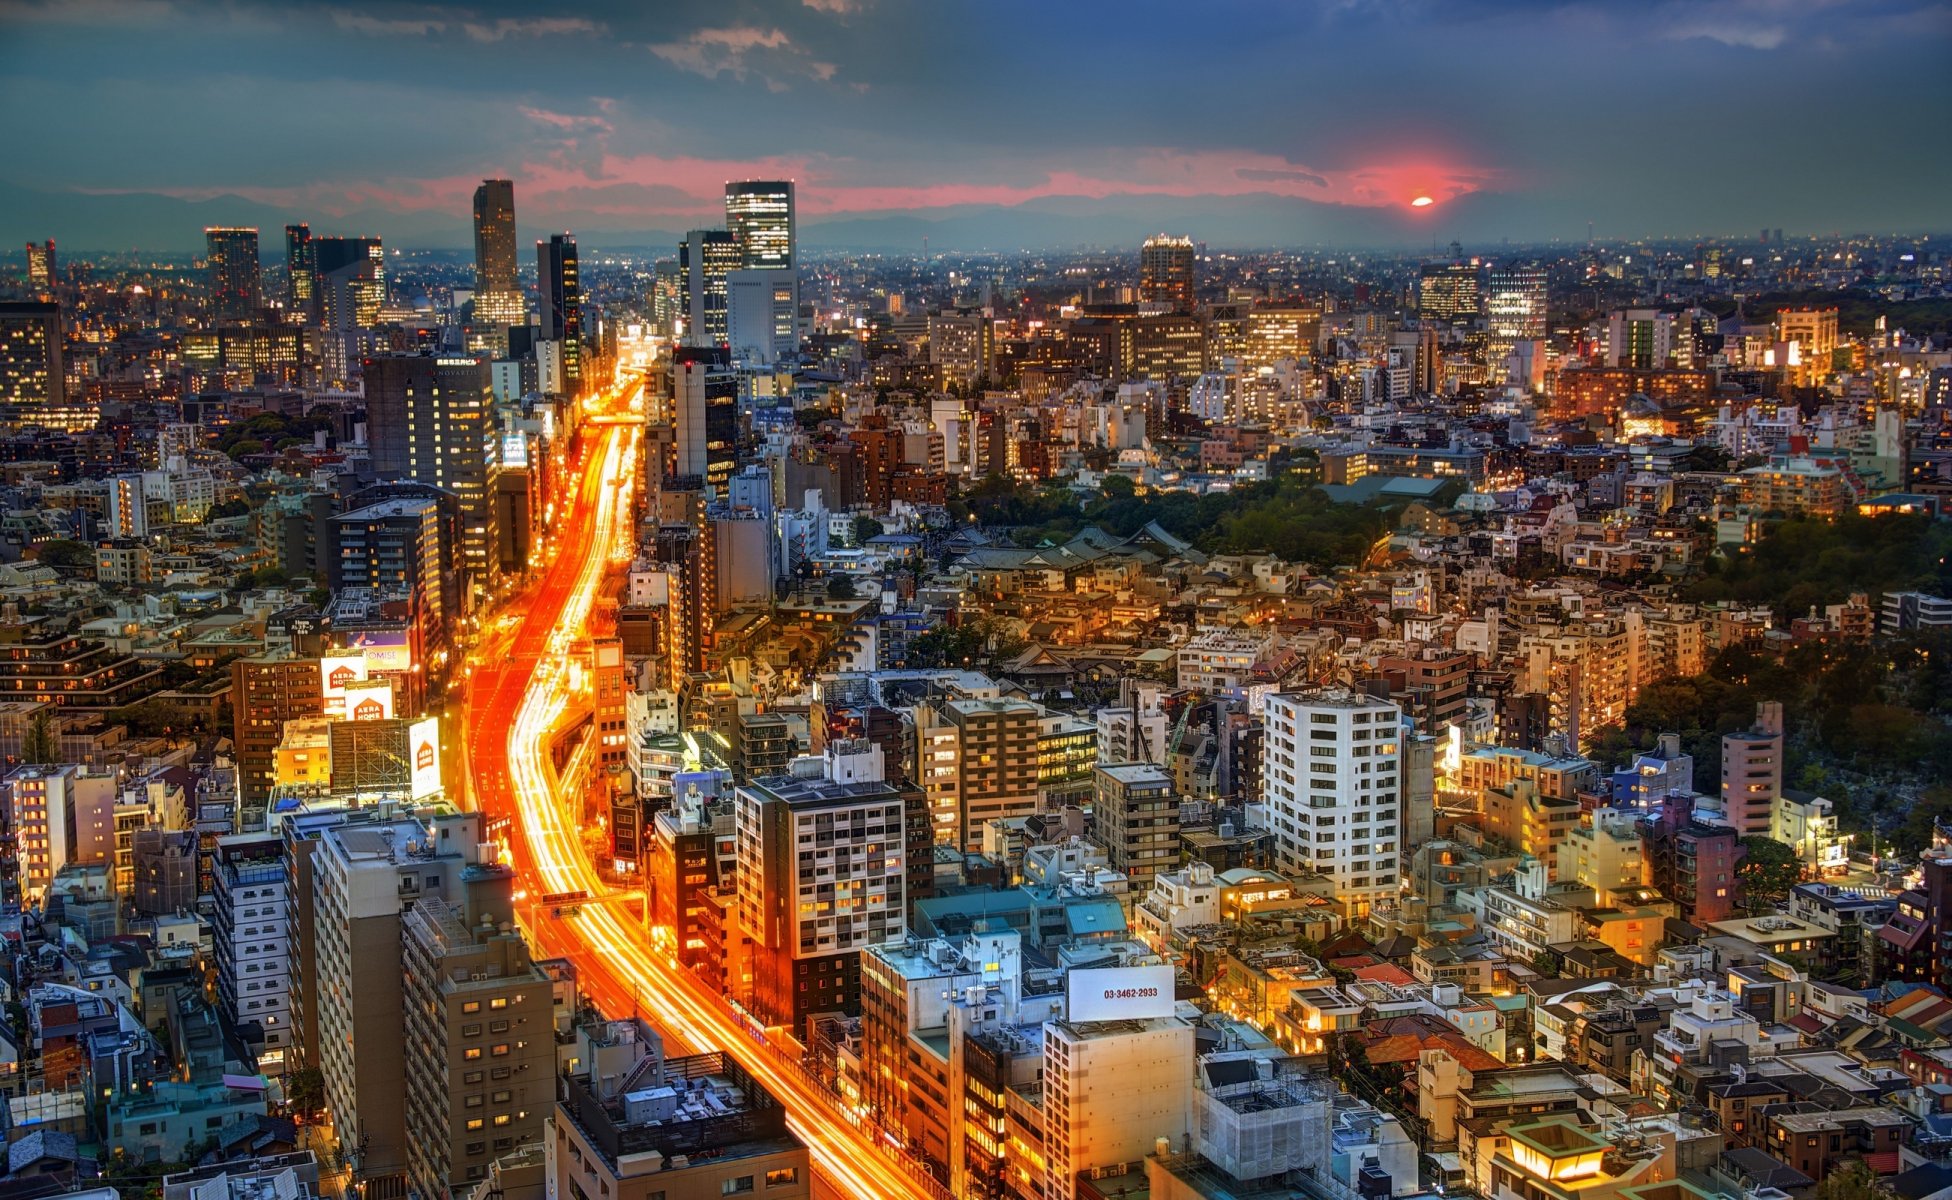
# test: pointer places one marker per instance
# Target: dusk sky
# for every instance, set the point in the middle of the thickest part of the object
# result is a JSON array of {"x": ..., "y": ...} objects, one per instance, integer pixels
[{"x": 1014, "y": 121}]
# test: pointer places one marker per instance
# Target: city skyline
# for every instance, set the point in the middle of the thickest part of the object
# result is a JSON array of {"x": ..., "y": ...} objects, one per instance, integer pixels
[{"x": 1521, "y": 121}]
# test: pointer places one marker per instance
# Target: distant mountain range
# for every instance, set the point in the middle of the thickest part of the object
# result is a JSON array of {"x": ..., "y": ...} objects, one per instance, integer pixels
[{"x": 166, "y": 224}]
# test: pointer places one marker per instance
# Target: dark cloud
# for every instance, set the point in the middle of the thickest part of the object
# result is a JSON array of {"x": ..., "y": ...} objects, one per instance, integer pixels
[{"x": 1662, "y": 116}]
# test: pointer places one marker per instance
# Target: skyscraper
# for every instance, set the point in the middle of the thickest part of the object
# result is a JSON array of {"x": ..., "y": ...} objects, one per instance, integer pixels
[
  {"x": 1166, "y": 270},
  {"x": 497, "y": 296},
  {"x": 705, "y": 416},
  {"x": 429, "y": 420},
  {"x": 759, "y": 216},
  {"x": 1514, "y": 310},
  {"x": 301, "y": 273},
  {"x": 704, "y": 259},
  {"x": 1448, "y": 291},
  {"x": 31, "y": 383},
  {"x": 40, "y": 265},
  {"x": 561, "y": 296},
  {"x": 236, "y": 287}
]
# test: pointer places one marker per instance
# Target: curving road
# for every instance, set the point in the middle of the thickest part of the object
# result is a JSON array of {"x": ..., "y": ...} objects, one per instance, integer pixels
[{"x": 520, "y": 692}]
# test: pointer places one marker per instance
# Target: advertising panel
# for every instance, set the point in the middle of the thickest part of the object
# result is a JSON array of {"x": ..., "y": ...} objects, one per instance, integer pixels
[
  {"x": 384, "y": 649},
  {"x": 336, "y": 671},
  {"x": 424, "y": 755},
  {"x": 1119, "y": 993},
  {"x": 369, "y": 700}
]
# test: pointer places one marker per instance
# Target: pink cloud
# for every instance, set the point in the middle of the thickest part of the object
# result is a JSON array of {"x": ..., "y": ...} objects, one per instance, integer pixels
[{"x": 591, "y": 179}]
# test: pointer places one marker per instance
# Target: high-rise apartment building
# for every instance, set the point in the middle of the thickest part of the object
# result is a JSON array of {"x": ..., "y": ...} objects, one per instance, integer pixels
[
  {"x": 821, "y": 878},
  {"x": 1330, "y": 780},
  {"x": 497, "y": 296},
  {"x": 301, "y": 274},
  {"x": 1166, "y": 270},
  {"x": 1138, "y": 820},
  {"x": 561, "y": 292},
  {"x": 420, "y": 1066},
  {"x": 759, "y": 218},
  {"x": 1448, "y": 291},
  {"x": 236, "y": 278},
  {"x": 480, "y": 1049},
  {"x": 1111, "y": 1089},
  {"x": 42, "y": 273},
  {"x": 251, "y": 934},
  {"x": 979, "y": 763},
  {"x": 266, "y": 692},
  {"x": 1514, "y": 311},
  {"x": 705, "y": 257},
  {"x": 1752, "y": 771},
  {"x": 33, "y": 390},
  {"x": 58, "y": 815},
  {"x": 431, "y": 419},
  {"x": 704, "y": 411}
]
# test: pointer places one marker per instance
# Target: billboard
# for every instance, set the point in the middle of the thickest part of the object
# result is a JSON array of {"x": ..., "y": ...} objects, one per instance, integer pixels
[
  {"x": 424, "y": 757},
  {"x": 1119, "y": 993},
  {"x": 336, "y": 673},
  {"x": 369, "y": 700},
  {"x": 383, "y": 649}
]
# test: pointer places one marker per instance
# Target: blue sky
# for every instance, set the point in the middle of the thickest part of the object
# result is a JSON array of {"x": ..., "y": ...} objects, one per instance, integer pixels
[{"x": 1522, "y": 120}]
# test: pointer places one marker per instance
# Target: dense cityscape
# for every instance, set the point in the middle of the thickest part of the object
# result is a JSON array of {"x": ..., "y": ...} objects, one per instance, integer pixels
[{"x": 786, "y": 711}]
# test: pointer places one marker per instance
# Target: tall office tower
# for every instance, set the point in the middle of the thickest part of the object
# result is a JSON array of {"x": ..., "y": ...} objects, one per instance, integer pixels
[
  {"x": 561, "y": 294},
  {"x": 1138, "y": 820},
  {"x": 1166, "y": 270},
  {"x": 301, "y": 273},
  {"x": 1752, "y": 771},
  {"x": 480, "y": 1063},
  {"x": 1330, "y": 782},
  {"x": 1639, "y": 337},
  {"x": 667, "y": 296},
  {"x": 704, "y": 410},
  {"x": 705, "y": 257},
  {"x": 1448, "y": 291},
  {"x": 497, "y": 296},
  {"x": 431, "y": 420},
  {"x": 762, "y": 315},
  {"x": 759, "y": 217},
  {"x": 251, "y": 934},
  {"x": 236, "y": 278},
  {"x": 41, "y": 271},
  {"x": 32, "y": 385},
  {"x": 821, "y": 878},
  {"x": 267, "y": 691},
  {"x": 331, "y": 254},
  {"x": 394, "y": 547},
  {"x": 1514, "y": 311}
]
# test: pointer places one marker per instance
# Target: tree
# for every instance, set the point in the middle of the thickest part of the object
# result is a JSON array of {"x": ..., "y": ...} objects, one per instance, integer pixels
[
  {"x": 64, "y": 554},
  {"x": 1118, "y": 487},
  {"x": 867, "y": 528},
  {"x": 1854, "y": 1180},
  {"x": 38, "y": 748},
  {"x": 841, "y": 587},
  {"x": 244, "y": 447},
  {"x": 1766, "y": 873},
  {"x": 305, "y": 1091},
  {"x": 234, "y": 507},
  {"x": 1547, "y": 963}
]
